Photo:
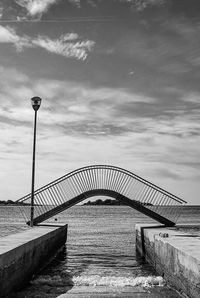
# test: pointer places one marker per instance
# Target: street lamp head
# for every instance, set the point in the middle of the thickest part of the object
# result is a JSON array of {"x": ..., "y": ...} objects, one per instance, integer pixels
[{"x": 36, "y": 102}]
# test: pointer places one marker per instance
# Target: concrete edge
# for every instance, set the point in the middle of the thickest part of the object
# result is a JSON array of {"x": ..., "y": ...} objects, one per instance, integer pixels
[
  {"x": 24, "y": 253},
  {"x": 174, "y": 254}
]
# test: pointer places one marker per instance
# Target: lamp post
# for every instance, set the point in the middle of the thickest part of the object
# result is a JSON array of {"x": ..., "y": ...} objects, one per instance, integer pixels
[{"x": 35, "y": 102}]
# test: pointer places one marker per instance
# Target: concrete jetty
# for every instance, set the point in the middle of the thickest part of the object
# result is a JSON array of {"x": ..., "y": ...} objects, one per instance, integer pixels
[
  {"x": 174, "y": 254},
  {"x": 23, "y": 253}
]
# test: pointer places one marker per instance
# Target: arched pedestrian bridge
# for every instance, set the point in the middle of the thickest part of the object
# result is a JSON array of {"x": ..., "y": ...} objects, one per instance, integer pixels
[{"x": 103, "y": 180}]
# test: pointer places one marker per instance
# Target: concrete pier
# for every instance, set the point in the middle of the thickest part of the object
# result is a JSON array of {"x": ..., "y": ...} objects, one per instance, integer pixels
[
  {"x": 22, "y": 254},
  {"x": 175, "y": 255}
]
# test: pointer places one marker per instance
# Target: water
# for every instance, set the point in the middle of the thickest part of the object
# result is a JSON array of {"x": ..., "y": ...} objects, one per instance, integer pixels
[{"x": 99, "y": 259}]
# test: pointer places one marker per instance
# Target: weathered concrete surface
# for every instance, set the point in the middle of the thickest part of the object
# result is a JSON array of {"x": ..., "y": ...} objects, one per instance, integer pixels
[
  {"x": 22, "y": 254},
  {"x": 176, "y": 257}
]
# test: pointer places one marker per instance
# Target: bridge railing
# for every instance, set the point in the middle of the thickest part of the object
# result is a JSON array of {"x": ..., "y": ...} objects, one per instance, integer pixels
[{"x": 101, "y": 180}]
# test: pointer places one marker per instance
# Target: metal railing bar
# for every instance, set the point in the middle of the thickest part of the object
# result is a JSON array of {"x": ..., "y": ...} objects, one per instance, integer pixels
[
  {"x": 116, "y": 180},
  {"x": 77, "y": 183},
  {"x": 64, "y": 188},
  {"x": 49, "y": 196},
  {"x": 146, "y": 196},
  {"x": 136, "y": 190},
  {"x": 88, "y": 179},
  {"x": 151, "y": 195},
  {"x": 59, "y": 194},
  {"x": 83, "y": 182},
  {"x": 55, "y": 197},
  {"x": 92, "y": 178},
  {"x": 140, "y": 193},
  {"x": 110, "y": 180},
  {"x": 107, "y": 179},
  {"x": 95, "y": 179},
  {"x": 121, "y": 183},
  {"x": 126, "y": 186},
  {"x": 72, "y": 187},
  {"x": 43, "y": 206}
]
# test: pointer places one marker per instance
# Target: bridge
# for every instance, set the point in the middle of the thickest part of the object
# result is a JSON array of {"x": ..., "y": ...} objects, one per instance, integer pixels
[{"x": 102, "y": 180}]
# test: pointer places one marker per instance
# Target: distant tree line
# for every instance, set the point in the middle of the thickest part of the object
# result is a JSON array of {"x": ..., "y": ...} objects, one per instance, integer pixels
[
  {"x": 104, "y": 202},
  {"x": 10, "y": 202},
  {"x": 110, "y": 202}
]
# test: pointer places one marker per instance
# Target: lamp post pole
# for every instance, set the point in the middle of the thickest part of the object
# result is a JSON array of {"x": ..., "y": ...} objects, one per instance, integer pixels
[{"x": 36, "y": 102}]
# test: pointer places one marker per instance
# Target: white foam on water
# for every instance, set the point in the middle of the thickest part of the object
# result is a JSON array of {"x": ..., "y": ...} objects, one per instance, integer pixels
[{"x": 116, "y": 281}]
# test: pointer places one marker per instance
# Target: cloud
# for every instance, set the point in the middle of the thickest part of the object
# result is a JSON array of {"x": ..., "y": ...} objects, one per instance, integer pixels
[
  {"x": 76, "y": 3},
  {"x": 9, "y": 35},
  {"x": 68, "y": 45},
  {"x": 36, "y": 7},
  {"x": 143, "y": 4},
  {"x": 1, "y": 12},
  {"x": 79, "y": 109},
  {"x": 65, "y": 47},
  {"x": 192, "y": 97},
  {"x": 160, "y": 118},
  {"x": 94, "y": 129},
  {"x": 139, "y": 5},
  {"x": 100, "y": 111}
]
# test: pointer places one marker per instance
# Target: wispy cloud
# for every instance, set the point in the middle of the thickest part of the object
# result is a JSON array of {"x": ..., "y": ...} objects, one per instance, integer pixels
[
  {"x": 80, "y": 108},
  {"x": 142, "y": 4},
  {"x": 1, "y": 12},
  {"x": 9, "y": 35},
  {"x": 69, "y": 45},
  {"x": 65, "y": 47},
  {"x": 76, "y": 3},
  {"x": 139, "y": 5},
  {"x": 36, "y": 7}
]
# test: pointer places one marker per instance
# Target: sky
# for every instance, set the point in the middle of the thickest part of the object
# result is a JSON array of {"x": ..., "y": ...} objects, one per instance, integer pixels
[{"x": 120, "y": 85}]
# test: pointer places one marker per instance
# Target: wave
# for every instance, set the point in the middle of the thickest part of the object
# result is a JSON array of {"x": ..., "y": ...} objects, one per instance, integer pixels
[{"x": 118, "y": 281}]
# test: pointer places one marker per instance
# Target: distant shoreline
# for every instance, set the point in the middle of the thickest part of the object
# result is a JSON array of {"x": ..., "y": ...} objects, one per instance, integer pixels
[
  {"x": 12, "y": 203},
  {"x": 107, "y": 202}
]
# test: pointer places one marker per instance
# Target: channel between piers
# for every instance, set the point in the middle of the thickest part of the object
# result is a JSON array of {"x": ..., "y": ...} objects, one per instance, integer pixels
[
  {"x": 24, "y": 253},
  {"x": 174, "y": 254}
]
